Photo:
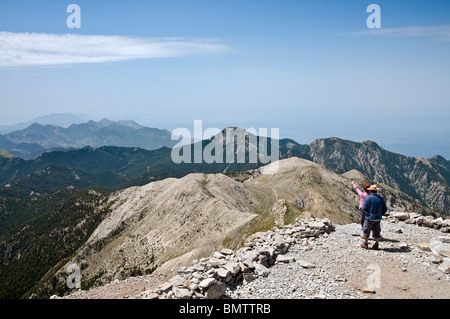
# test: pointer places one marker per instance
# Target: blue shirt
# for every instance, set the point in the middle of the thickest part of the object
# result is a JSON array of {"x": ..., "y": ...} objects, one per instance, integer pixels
[{"x": 375, "y": 207}]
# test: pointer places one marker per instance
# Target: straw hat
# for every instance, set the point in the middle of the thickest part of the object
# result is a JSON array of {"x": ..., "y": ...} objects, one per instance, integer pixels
[{"x": 373, "y": 188}]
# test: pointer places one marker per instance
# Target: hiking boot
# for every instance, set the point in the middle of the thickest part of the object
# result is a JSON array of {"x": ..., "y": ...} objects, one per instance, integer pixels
[
  {"x": 375, "y": 246},
  {"x": 365, "y": 246}
]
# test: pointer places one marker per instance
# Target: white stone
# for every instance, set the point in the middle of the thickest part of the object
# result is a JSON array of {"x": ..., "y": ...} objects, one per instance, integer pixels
[
  {"x": 182, "y": 293},
  {"x": 206, "y": 283},
  {"x": 218, "y": 255},
  {"x": 232, "y": 267},
  {"x": 223, "y": 273},
  {"x": 226, "y": 251},
  {"x": 306, "y": 264},
  {"x": 261, "y": 270},
  {"x": 285, "y": 259},
  {"x": 401, "y": 215},
  {"x": 215, "y": 262}
]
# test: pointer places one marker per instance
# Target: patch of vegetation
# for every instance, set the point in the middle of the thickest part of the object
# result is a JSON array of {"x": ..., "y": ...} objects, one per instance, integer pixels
[
  {"x": 137, "y": 271},
  {"x": 204, "y": 180},
  {"x": 291, "y": 214},
  {"x": 39, "y": 233},
  {"x": 261, "y": 223}
]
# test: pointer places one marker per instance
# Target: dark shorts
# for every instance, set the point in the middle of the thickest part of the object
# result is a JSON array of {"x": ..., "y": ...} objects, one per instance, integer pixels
[
  {"x": 362, "y": 215},
  {"x": 371, "y": 225}
]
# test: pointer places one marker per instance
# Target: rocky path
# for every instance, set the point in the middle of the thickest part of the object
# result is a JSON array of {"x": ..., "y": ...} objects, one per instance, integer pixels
[
  {"x": 341, "y": 269},
  {"x": 306, "y": 261}
]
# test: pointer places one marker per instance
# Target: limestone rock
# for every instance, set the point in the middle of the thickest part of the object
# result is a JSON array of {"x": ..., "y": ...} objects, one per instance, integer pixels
[
  {"x": 215, "y": 262},
  {"x": 165, "y": 287},
  {"x": 444, "y": 268},
  {"x": 261, "y": 270},
  {"x": 306, "y": 264},
  {"x": 226, "y": 251},
  {"x": 285, "y": 259},
  {"x": 215, "y": 291},
  {"x": 401, "y": 216},
  {"x": 318, "y": 225},
  {"x": 218, "y": 255},
  {"x": 249, "y": 258},
  {"x": 182, "y": 293},
  {"x": 206, "y": 283},
  {"x": 223, "y": 273},
  {"x": 233, "y": 268}
]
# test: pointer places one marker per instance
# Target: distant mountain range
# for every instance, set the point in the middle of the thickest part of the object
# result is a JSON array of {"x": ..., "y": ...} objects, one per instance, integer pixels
[
  {"x": 112, "y": 168},
  {"x": 107, "y": 168},
  {"x": 57, "y": 119},
  {"x": 36, "y": 139}
]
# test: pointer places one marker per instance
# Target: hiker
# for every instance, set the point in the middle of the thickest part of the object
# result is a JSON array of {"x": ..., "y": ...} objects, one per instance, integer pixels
[
  {"x": 362, "y": 196},
  {"x": 375, "y": 207}
]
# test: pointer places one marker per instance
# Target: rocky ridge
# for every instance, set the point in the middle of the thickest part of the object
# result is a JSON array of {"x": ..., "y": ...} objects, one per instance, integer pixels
[
  {"x": 426, "y": 180},
  {"x": 166, "y": 224},
  {"x": 315, "y": 259}
]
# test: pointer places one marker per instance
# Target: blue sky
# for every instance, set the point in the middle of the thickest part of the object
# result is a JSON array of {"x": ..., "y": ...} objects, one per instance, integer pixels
[{"x": 310, "y": 68}]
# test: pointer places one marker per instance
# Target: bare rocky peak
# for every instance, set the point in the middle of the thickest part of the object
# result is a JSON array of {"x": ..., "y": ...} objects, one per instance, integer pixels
[
  {"x": 355, "y": 175},
  {"x": 237, "y": 135},
  {"x": 165, "y": 223},
  {"x": 106, "y": 122},
  {"x": 437, "y": 159}
]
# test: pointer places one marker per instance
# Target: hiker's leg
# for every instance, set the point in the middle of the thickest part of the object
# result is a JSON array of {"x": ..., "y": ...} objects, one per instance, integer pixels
[
  {"x": 377, "y": 234},
  {"x": 377, "y": 231},
  {"x": 367, "y": 227},
  {"x": 366, "y": 233},
  {"x": 362, "y": 215}
]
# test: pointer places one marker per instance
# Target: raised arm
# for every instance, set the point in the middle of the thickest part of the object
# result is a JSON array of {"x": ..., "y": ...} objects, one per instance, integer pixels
[{"x": 357, "y": 189}]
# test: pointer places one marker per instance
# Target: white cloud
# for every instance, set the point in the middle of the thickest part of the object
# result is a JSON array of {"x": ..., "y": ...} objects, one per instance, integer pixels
[
  {"x": 440, "y": 32},
  {"x": 26, "y": 49}
]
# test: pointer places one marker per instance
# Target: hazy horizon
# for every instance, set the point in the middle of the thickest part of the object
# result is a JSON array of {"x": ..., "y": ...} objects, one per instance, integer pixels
[{"x": 396, "y": 148}]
